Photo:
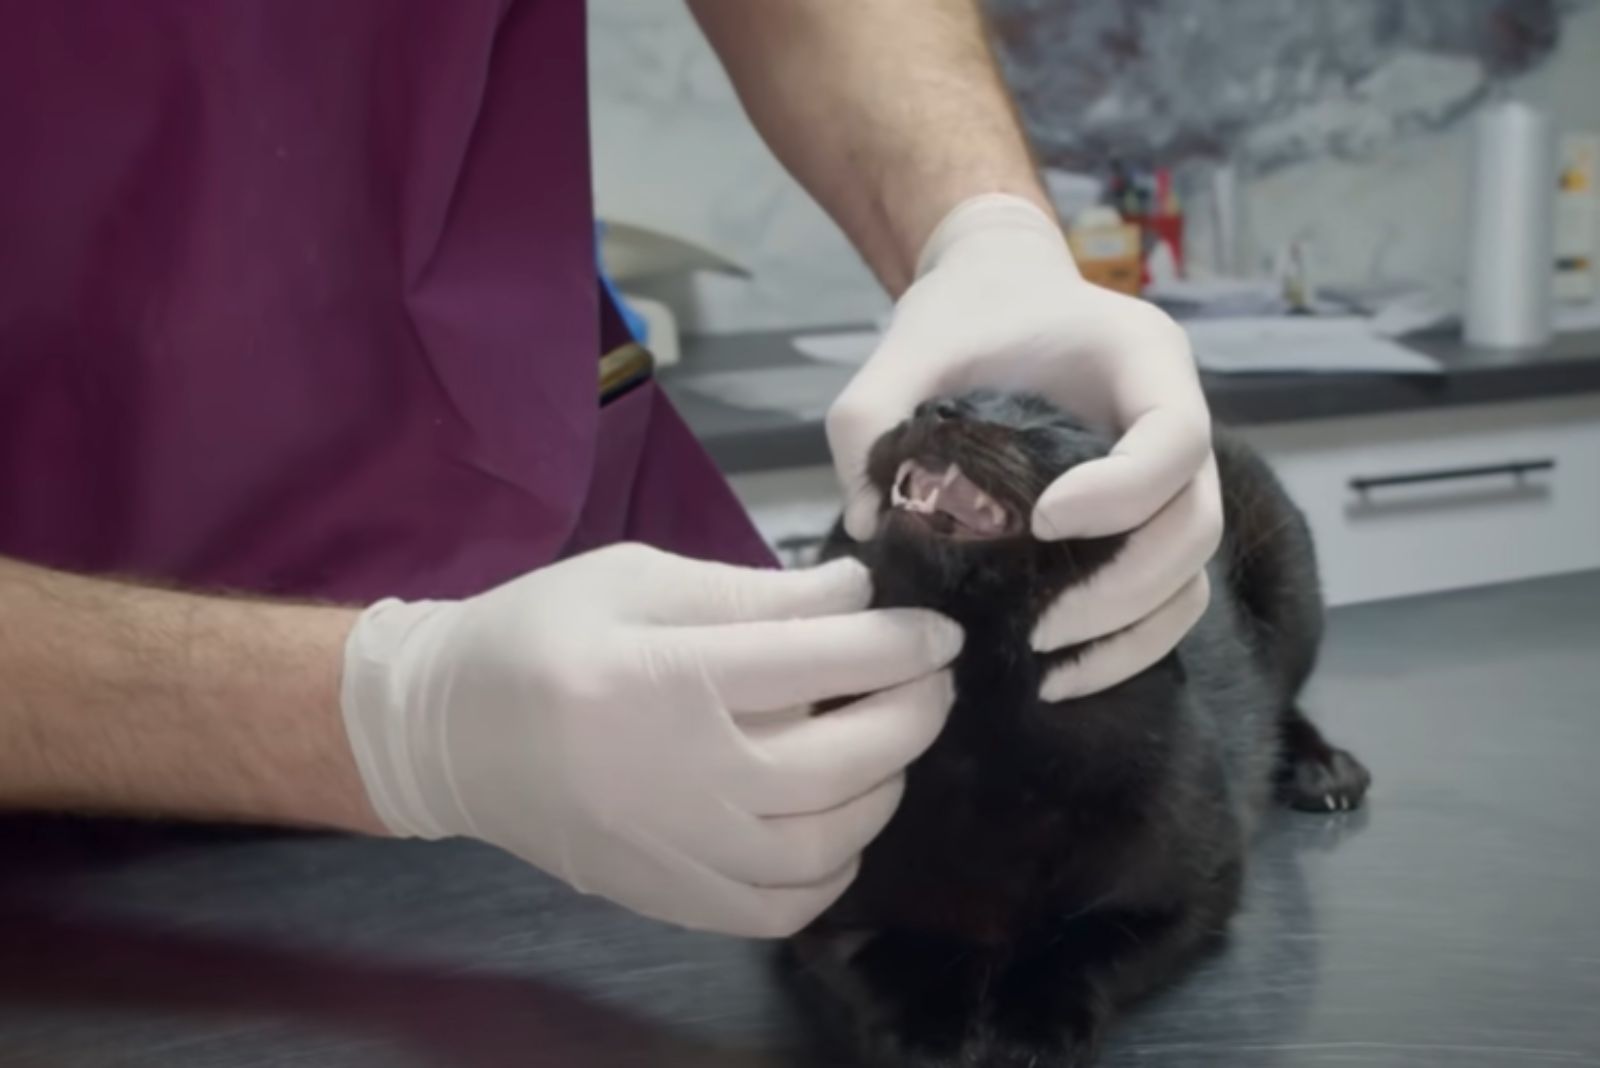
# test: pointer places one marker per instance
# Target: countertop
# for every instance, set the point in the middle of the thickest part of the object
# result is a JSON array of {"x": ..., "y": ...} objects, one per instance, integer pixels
[
  {"x": 744, "y": 440},
  {"x": 1453, "y": 923}
]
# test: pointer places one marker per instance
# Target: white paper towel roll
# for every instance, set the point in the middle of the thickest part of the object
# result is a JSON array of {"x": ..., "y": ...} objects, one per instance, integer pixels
[{"x": 1510, "y": 259}]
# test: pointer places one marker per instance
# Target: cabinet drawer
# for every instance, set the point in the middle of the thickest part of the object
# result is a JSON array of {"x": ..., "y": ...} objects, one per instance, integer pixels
[
  {"x": 1420, "y": 502},
  {"x": 793, "y": 508}
]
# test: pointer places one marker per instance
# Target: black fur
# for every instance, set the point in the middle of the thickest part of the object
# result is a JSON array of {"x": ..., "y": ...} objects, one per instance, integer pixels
[{"x": 1051, "y": 862}]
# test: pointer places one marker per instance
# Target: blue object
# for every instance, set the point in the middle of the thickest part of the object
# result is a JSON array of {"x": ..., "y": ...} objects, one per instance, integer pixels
[{"x": 635, "y": 322}]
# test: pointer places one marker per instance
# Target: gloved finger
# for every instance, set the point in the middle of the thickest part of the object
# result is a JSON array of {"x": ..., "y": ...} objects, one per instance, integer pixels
[
  {"x": 791, "y": 851},
  {"x": 811, "y": 848},
  {"x": 780, "y": 911},
  {"x": 768, "y": 667},
  {"x": 882, "y": 394},
  {"x": 820, "y": 763},
  {"x": 657, "y": 880},
  {"x": 715, "y": 903},
  {"x": 1160, "y": 454},
  {"x": 1158, "y": 559},
  {"x": 1124, "y": 655},
  {"x": 692, "y": 592}
]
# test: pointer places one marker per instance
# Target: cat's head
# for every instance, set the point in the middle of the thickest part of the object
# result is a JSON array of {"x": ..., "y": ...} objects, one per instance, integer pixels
[{"x": 957, "y": 483}]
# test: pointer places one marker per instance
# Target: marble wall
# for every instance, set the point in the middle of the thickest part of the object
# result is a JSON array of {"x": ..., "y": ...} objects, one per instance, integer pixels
[
  {"x": 673, "y": 150},
  {"x": 1266, "y": 82},
  {"x": 1347, "y": 120}
]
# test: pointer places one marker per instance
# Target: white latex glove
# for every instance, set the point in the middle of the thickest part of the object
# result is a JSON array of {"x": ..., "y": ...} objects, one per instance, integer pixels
[
  {"x": 626, "y": 720},
  {"x": 998, "y": 302}
]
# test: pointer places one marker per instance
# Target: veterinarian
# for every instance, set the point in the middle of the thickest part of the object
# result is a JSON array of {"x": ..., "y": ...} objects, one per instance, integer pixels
[{"x": 298, "y": 307}]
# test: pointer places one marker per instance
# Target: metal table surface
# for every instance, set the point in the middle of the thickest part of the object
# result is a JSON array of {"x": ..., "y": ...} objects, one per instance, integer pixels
[{"x": 1454, "y": 923}]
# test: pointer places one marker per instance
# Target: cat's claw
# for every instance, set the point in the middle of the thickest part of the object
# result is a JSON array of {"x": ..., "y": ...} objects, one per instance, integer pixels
[{"x": 1332, "y": 784}]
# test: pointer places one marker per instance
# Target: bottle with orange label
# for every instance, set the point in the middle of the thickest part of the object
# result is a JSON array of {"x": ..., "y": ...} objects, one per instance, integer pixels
[{"x": 1107, "y": 249}]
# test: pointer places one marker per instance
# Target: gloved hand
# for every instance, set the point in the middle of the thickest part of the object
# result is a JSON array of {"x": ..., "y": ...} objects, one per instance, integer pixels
[
  {"x": 998, "y": 302},
  {"x": 627, "y": 721}
]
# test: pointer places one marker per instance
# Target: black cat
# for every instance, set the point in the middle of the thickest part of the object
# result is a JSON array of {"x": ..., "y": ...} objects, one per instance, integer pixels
[{"x": 1052, "y": 861}]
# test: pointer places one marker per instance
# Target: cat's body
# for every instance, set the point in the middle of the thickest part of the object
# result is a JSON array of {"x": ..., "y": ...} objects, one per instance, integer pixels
[{"x": 1050, "y": 862}]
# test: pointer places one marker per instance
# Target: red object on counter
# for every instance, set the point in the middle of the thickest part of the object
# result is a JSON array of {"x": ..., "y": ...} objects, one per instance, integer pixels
[{"x": 1155, "y": 229}]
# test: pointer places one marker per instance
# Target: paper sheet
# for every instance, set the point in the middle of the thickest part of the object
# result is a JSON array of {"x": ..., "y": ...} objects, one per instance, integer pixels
[
  {"x": 849, "y": 347},
  {"x": 1577, "y": 318},
  {"x": 1338, "y": 345},
  {"x": 804, "y": 391},
  {"x": 1209, "y": 297},
  {"x": 1418, "y": 311}
]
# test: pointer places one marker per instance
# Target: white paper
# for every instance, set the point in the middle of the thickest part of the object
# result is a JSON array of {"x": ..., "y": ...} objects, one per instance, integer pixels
[
  {"x": 1340, "y": 345},
  {"x": 1230, "y": 298},
  {"x": 804, "y": 391},
  {"x": 852, "y": 347},
  {"x": 1417, "y": 312},
  {"x": 1217, "y": 290},
  {"x": 1577, "y": 318}
]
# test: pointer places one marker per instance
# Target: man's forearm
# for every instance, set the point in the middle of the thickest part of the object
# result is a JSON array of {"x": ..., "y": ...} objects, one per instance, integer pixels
[
  {"x": 118, "y": 698},
  {"x": 889, "y": 112}
]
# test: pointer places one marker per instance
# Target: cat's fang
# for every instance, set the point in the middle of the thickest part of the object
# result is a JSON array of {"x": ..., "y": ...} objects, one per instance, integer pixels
[
  {"x": 916, "y": 489},
  {"x": 902, "y": 479},
  {"x": 990, "y": 510}
]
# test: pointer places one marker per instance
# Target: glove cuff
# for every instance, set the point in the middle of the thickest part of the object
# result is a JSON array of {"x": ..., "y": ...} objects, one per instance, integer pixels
[
  {"x": 386, "y": 734},
  {"x": 989, "y": 213}
]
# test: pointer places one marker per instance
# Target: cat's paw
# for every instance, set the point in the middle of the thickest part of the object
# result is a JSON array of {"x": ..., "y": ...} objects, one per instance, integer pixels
[{"x": 1330, "y": 781}]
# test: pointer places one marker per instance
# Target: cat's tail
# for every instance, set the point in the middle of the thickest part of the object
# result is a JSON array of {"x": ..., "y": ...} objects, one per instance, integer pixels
[{"x": 1269, "y": 564}]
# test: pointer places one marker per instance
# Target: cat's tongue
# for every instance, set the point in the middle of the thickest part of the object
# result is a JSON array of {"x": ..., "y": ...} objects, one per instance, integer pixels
[{"x": 949, "y": 493}]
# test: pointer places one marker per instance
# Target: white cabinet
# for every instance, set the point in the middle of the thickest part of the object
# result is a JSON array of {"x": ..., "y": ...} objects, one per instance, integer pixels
[
  {"x": 1453, "y": 497},
  {"x": 791, "y": 504},
  {"x": 1418, "y": 502}
]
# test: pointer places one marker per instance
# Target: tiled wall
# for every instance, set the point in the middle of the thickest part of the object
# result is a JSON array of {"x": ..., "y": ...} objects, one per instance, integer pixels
[{"x": 1349, "y": 118}]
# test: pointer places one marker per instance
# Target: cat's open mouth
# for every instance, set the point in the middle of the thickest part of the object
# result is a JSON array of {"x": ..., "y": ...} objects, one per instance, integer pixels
[{"x": 951, "y": 504}]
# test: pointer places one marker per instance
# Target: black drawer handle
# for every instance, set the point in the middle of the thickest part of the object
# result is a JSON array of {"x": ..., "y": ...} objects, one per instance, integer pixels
[{"x": 1517, "y": 469}]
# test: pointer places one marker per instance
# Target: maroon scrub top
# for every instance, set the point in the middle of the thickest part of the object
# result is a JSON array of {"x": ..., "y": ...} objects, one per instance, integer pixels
[{"x": 301, "y": 298}]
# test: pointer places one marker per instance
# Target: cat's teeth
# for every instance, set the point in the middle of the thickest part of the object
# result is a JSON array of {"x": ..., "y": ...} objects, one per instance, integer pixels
[
  {"x": 989, "y": 508},
  {"x": 896, "y": 496},
  {"x": 1332, "y": 804},
  {"x": 951, "y": 473},
  {"x": 923, "y": 505}
]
